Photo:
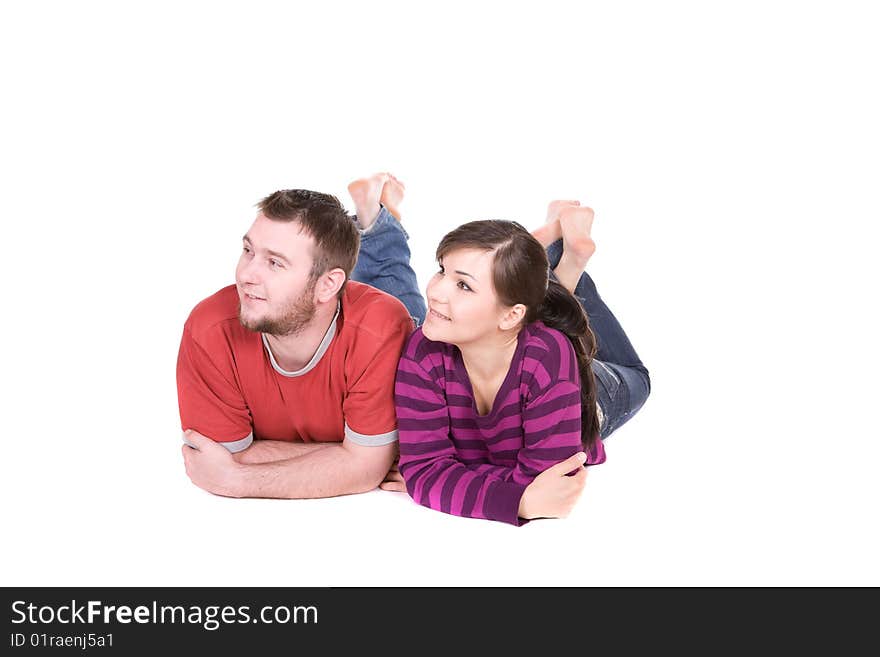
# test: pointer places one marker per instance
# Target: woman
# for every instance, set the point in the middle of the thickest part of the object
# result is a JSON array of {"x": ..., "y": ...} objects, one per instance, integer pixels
[{"x": 505, "y": 391}]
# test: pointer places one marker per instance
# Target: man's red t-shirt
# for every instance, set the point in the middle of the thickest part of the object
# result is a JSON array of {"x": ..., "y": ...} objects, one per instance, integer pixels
[{"x": 231, "y": 389}]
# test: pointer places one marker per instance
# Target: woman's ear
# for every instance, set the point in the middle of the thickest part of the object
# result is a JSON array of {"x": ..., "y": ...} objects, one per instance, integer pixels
[{"x": 512, "y": 317}]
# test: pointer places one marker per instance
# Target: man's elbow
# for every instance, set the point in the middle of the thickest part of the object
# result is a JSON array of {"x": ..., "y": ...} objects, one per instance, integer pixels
[
  {"x": 370, "y": 465},
  {"x": 370, "y": 478},
  {"x": 366, "y": 485}
]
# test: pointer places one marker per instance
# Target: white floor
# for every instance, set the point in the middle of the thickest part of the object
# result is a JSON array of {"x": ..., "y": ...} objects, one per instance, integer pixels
[{"x": 730, "y": 158}]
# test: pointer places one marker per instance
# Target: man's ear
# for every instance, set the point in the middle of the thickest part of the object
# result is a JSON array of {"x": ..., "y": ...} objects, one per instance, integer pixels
[{"x": 329, "y": 284}]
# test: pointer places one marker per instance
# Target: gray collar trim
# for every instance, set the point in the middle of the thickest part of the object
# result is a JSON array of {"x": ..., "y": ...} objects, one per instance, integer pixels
[{"x": 322, "y": 348}]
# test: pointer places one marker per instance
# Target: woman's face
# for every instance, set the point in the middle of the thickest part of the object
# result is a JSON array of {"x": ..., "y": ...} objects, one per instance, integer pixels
[{"x": 462, "y": 304}]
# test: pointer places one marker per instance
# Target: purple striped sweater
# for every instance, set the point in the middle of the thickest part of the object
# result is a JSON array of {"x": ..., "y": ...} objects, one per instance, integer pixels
[{"x": 459, "y": 462}]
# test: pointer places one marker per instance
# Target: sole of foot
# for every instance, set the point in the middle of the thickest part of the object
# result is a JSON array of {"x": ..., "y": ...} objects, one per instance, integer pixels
[
  {"x": 366, "y": 192},
  {"x": 552, "y": 230},
  {"x": 392, "y": 195},
  {"x": 577, "y": 224}
]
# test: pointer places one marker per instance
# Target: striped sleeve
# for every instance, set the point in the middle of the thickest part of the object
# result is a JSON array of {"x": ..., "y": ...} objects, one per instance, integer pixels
[
  {"x": 552, "y": 414},
  {"x": 434, "y": 475},
  {"x": 551, "y": 430}
]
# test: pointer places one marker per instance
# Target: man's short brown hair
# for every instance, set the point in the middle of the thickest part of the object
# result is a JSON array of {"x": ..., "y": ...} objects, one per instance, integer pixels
[{"x": 325, "y": 220}]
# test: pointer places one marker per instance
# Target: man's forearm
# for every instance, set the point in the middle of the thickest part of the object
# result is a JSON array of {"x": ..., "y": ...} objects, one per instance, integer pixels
[
  {"x": 327, "y": 472},
  {"x": 267, "y": 451}
]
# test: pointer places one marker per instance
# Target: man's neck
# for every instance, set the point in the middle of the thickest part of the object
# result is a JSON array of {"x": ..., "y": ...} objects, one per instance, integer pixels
[{"x": 293, "y": 352}]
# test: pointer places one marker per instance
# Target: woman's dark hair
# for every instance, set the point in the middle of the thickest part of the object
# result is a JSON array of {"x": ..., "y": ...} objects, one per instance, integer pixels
[{"x": 521, "y": 275}]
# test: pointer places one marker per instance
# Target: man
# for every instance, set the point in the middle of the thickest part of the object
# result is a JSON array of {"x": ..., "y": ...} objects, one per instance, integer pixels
[{"x": 285, "y": 379}]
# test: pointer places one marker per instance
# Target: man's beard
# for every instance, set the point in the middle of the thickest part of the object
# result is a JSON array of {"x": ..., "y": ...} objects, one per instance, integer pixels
[{"x": 291, "y": 321}]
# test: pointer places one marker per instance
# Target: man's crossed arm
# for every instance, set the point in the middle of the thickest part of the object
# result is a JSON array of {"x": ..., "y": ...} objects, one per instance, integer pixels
[{"x": 271, "y": 468}]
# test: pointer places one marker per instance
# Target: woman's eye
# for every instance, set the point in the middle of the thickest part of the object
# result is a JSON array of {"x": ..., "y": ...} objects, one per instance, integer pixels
[
  {"x": 274, "y": 263},
  {"x": 464, "y": 286}
]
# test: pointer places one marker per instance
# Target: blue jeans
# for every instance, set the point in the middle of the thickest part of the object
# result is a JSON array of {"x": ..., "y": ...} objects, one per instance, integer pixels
[
  {"x": 622, "y": 380},
  {"x": 383, "y": 262}
]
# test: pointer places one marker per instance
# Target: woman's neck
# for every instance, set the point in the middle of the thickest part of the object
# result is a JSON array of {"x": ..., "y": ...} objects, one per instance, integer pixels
[{"x": 489, "y": 359}]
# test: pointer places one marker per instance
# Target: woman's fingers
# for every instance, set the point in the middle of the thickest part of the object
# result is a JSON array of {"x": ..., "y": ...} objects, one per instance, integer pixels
[{"x": 568, "y": 465}]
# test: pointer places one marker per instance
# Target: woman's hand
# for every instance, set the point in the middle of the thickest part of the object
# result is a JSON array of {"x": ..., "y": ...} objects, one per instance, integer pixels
[{"x": 553, "y": 493}]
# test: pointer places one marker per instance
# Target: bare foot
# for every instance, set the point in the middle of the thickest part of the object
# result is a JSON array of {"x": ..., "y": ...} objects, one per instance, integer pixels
[
  {"x": 551, "y": 230},
  {"x": 577, "y": 245},
  {"x": 392, "y": 195},
  {"x": 365, "y": 192}
]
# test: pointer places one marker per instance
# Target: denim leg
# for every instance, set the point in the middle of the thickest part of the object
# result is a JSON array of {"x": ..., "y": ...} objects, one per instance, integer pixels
[
  {"x": 622, "y": 380},
  {"x": 621, "y": 391},
  {"x": 612, "y": 343},
  {"x": 383, "y": 262}
]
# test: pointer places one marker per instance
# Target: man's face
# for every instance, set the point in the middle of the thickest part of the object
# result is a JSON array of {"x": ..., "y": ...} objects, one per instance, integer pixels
[{"x": 275, "y": 293}]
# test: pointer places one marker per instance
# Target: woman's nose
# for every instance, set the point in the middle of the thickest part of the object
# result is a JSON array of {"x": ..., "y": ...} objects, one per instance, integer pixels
[{"x": 436, "y": 292}]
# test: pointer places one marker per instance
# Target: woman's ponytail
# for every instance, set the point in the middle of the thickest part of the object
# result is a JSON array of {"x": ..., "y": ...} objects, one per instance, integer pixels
[{"x": 561, "y": 311}]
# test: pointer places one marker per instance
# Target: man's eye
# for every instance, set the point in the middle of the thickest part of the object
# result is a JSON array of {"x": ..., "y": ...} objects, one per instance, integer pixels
[{"x": 274, "y": 263}]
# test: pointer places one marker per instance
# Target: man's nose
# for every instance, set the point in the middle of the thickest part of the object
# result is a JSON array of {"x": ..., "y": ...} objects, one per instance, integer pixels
[{"x": 249, "y": 272}]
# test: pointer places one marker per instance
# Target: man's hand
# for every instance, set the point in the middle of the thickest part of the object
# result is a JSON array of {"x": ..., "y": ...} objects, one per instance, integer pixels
[
  {"x": 393, "y": 480},
  {"x": 210, "y": 466},
  {"x": 553, "y": 493}
]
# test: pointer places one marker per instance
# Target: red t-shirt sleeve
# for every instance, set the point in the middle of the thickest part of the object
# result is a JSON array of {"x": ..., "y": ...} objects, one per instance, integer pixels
[
  {"x": 210, "y": 401},
  {"x": 368, "y": 407}
]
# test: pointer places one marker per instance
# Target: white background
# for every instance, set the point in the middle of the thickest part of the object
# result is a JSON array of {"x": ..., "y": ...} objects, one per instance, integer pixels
[{"x": 730, "y": 153}]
